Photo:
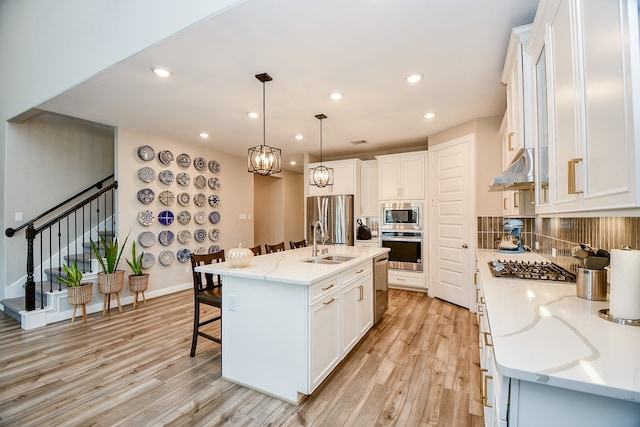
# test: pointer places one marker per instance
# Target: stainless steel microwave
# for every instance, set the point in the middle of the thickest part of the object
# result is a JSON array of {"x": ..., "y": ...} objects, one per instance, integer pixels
[{"x": 401, "y": 216}]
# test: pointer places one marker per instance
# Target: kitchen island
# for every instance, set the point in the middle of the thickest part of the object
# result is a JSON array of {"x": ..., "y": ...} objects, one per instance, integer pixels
[
  {"x": 548, "y": 358},
  {"x": 288, "y": 318}
]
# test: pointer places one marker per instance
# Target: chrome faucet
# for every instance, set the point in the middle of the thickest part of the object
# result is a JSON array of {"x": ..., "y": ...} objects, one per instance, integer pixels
[{"x": 314, "y": 251}]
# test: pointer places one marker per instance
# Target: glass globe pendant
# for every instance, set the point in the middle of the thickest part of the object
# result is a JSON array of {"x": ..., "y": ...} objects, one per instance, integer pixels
[
  {"x": 262, "y": 159},
  {"x": 321, "y": 176}
]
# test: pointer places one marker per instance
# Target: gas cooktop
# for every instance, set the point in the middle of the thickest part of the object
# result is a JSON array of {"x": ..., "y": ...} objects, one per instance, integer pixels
[{"x": 531, "y": 270}]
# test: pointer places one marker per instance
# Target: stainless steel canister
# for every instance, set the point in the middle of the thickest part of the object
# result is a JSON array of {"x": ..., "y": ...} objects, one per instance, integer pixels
[{"x": 591, "y": 284}]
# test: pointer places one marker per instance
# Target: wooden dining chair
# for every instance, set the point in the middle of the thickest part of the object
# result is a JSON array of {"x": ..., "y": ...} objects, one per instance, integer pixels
[
  {"x": 207, "y": 292},
  {"x": 301, "y": 244},
  {"x": 274, "y": 248},
  {"x": 257, "y": 250}
]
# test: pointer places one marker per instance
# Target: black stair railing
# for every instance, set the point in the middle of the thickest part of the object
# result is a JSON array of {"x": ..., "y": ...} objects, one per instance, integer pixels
[{"x": 66, "y": 231}]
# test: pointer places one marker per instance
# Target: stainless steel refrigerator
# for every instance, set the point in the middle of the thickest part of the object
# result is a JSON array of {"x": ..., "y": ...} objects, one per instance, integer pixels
[{"x": 336, "y": 215}]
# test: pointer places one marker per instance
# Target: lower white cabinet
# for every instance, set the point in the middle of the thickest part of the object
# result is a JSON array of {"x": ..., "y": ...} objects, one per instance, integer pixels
[
  {"x": 357, "y": 310},
  {"x": 410, "y": 280},
  {"x": 326, "y": 351}
]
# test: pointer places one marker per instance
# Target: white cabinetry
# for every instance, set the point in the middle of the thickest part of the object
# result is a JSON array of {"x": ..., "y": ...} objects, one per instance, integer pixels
[
  {"x": 510, "y": 199},
  {"x": 357, "y": 305},
  {"x": 369, "y": 189},
  {"x": 346, "y": 178},
  {"x": 402, "y": 176},
  {"x": 592, "y": 70},
  {"x": 410, "y": 280},
  {"x": 325, "y": 325}
]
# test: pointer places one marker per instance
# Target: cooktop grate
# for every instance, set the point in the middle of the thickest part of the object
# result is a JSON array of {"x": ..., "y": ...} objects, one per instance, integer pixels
[{"x": 531, "y": 270}]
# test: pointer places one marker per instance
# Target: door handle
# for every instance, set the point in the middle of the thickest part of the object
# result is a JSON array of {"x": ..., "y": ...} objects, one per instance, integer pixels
[{"x": 465, "y": 246}]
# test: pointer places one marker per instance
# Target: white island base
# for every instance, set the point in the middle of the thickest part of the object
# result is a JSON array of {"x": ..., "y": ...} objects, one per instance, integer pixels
[{"x": 286, "y": 324}]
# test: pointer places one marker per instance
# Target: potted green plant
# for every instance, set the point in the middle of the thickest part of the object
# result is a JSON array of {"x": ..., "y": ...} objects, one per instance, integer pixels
[
  {"x": 79, "y": 293},
  {"x": 138, "y": 281},
  {"x": 110, "y": 280}
]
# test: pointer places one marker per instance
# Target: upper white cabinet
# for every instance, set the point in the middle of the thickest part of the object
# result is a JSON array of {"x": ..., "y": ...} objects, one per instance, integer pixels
[
  {"x": 369, "y": 188},
  {"x": 587, "y": 74},
  {"x": 346, "y": 178},
  {"x": 402, "y": 176}
]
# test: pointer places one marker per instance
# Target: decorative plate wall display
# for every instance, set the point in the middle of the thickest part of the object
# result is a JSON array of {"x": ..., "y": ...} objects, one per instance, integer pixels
[
  {"x": 146, "y": 174},
  {"x": 184, "y": 255},
  {"x": 183, "y": 160},
  {"x": 200, "y": 250},
  {"x": 165, "y": 237},
  {"x": 146, "y": 196},
  {"x": 183, "y": 179},
  {"x": 146, "y": 218},
  {"x": 199, "y": 200},
  {"x": 166, "y": 197},
  {"x": 184, "y": 217},
  {"x": 184, "y": 199},
  {"x": 200, "y": 235},
  {"x": 200, "y": 182},
  {"x": 148, "y": 260},
  {"x": 146, "y": 153},
  {"x": 146, "y": 239},
  {"x": 184, "y": 236},
  {"x": 199, "y": 163},
  {"x": 166, "y": 177},
  {"x": 165, "y": 217},
  {"x": 214, "y": 248},
  {"x": 165, "y": 157},
  {"x": 166, "y": 257},
  {"x": 214, "y": 166},
  {"x": 214, "y": 183},
  {"x": 200, "y": 217},
  {"x": 214, "y": 234},
  {"x": 214, "y": 217},
  {"x": 214, "y": 200}
]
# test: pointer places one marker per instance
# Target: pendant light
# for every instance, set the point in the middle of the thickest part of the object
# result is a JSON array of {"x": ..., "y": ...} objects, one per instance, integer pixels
[
  {"x": 321, "y": 176},
  {"x": 262, "y": 159}
]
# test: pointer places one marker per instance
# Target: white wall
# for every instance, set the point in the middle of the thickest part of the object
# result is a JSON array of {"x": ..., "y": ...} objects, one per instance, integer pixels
[{"x": 236, "y": 194}]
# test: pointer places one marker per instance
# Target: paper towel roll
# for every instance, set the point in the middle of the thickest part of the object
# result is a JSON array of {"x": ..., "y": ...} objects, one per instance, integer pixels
[{"x": 624, "y": 281}]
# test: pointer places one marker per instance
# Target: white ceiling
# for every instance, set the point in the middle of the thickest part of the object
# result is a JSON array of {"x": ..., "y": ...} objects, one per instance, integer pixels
[{"x": 362, "y": 48}]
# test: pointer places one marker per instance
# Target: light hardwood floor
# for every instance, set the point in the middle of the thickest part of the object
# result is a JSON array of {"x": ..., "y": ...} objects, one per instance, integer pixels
[{"x": 418, "y": 366}]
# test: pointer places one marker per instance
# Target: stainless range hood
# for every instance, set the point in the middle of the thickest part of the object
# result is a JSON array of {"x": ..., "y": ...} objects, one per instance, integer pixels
[{"x": 519, "y": 174}]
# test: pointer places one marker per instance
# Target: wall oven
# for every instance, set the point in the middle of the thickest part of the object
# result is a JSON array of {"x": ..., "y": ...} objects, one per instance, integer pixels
[
  {"x": 406, "y": 249},
  {"x": 401, "y": 216}
]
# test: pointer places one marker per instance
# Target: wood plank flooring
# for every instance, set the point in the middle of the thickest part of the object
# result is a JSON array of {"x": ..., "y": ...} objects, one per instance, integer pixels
[{"x": 418, "y": 367}]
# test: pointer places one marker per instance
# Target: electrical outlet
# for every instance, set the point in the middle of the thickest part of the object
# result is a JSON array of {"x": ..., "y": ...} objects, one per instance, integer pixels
[
  {"x": 186, "y": 269},
  {"x": 554, "y": 253},
  {"x": 233, "y": 303},
  {"x": 537, "y": 246},
  {"x": 18, "y": 217}
]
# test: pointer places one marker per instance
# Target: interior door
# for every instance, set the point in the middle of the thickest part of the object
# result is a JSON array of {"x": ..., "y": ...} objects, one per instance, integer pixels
[{"x": 451, "y": 216}]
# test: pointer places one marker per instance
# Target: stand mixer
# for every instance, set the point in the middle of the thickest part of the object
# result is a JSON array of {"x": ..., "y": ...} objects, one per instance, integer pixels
[{"x": 512, "y": 242}]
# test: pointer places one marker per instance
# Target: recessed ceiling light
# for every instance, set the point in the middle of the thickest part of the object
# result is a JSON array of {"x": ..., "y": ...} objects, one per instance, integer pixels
[
  {"x": 161, "y": 71},
  {"x": 336, "y": 96},
  {"x": 253, "y": 115},
  {"x": 414, "y": 78},
  {"x": 429, "y": 115},
  {"x": 204, "y": 135},
  {"x": 299, "y": 137},
  {"x": 292, "y": 162}
]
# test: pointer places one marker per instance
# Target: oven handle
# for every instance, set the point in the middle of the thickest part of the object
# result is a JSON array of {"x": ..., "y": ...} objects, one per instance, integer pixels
[{"x": 401, "y": 239}]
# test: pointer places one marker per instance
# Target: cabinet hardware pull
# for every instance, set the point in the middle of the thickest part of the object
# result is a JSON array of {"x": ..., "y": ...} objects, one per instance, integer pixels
[
  {"x": 483, "y": 384},
  {"x": 485, "y": 398},
  {"x": 482, "y": 301},
  {"x": 475, "y": 282},
  {"x": 400, "y": 279},
  {"x": 504, "y": 203},
  {"x": 329, "y": 302},
  {"x": 571, "y": 181},
  {"x": 481, "y": 309},
  {"x": 361, "y": 288},
  {"x": 509, "y": 139},
  {"x": 328, "y": 287},
  {"x": 465, "y": 246},
  {"x": 486, "y": 340},
  {"x": 359, "y": 271}
]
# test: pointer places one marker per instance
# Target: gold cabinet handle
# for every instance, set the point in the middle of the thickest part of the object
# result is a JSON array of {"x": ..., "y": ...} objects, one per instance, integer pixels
[
  {"x": 485, "y": 385},
  {"x": 328, "y": 287},
  {"x": 487, "y": 335},
  {"x": 359, "y": 271},
  {"x": 482, "y": 301},
  {"x": 509, "y": 140},
  {"x": 571, "y": 181},
  {"x": 329, "y": 302}
]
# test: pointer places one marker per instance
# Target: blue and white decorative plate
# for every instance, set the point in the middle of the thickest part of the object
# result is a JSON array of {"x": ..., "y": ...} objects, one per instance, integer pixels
[
  {"x": 183, "y": 160},
  {"x": 200, "y": 217},
  {"x": 184, "y": 255},
  {"x": 214, "y": 217},
  {"x": 146, "y": 196},
  {"x": 146, "y": 153},
  {"x": 184, "y": 199},
  {"x": 148, "y": 260},
  {"x": 214, "y": 166},
  {"x": 146, "y": 174},
  {"x": 214, "y": 200},
  {"x": 184, "y": 217},
  {"x": 214, "y": 234},
  {"x": 146, "y": 218},
  {"x": 183, "y": 179},
  {"x": 200, "y": 235},
  {"x": 199, "y": 163},
  {"x": 214, "y": 183},
  {"x": 165, "y": 237},
  {"x": 166, "y": 217},
  {"x": 199, "y": 199},
  {"x": 200, "y": 182},
  {"x": 165, "y": 157},
  {"x": 214, "y": 248},
  {"x": 166, "y": 257},
  {"x": 184, "y": 236},
  {"x": 166, "y": 197},
  {"x": 200, "y": 250},
  {"x": 166, "y": 177},
  {"x": 146, "y": 239}
]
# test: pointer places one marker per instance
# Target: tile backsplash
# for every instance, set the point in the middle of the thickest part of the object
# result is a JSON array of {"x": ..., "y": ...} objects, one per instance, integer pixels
[{"x": 564, "y": 233}]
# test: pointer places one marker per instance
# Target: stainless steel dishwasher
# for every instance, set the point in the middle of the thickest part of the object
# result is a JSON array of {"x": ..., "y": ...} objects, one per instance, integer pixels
[{"x": 380, "y": 284}]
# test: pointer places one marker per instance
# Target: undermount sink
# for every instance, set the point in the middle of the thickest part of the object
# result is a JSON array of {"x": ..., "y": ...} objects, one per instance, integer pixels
[{"x": 329, "y": 259}]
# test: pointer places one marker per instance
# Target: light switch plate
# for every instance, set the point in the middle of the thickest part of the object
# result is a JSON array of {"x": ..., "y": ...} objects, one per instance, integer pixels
[{"x": 18, "y": 216}]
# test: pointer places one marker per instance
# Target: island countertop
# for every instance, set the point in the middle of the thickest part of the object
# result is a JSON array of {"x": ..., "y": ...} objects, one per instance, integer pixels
[
  {"x": 542, "y": 332},
  {"x": 289, "y": 266}
]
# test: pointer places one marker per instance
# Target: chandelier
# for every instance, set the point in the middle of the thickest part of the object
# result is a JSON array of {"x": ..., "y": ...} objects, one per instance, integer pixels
[
  {"x": 262, "y": 159},
  {"x": 321, "y": 176}
]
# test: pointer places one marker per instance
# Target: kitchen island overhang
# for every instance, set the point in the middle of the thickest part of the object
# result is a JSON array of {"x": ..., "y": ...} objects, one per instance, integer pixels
[{"x": 287, "y": 323}]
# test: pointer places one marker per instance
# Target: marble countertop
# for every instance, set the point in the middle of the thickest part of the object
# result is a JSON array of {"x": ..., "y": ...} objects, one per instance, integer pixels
[
  {"x": 288, "y": 266},
  {"x": 542, "y": 332}
]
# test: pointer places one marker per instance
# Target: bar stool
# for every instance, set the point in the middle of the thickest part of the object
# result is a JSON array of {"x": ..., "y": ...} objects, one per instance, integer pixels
[
  {"x": 257, "y": 250},
  {"x": 274, "y": 248},
  {"x": 301, "y": 244}
]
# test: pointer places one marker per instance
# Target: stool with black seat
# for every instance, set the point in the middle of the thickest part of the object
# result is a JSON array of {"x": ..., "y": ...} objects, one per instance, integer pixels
[
  {"x": 301, "y": 244},
  {"x": 274, "y": 248},
  {"x": 257, "y": 250},
  {"x": 208, "y": 292}
]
